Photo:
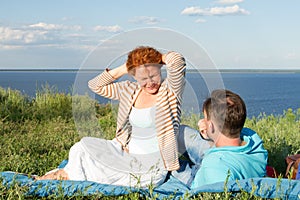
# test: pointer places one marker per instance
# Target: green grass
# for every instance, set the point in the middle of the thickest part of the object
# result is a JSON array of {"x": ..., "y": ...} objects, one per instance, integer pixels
[{"x": 37, "y": 133}]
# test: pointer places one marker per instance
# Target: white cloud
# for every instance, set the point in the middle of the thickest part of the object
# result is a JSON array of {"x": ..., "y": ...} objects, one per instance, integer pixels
[
  {"x": 58, "y": 27},
  {"x": 145, "y": 20},
  {"x": 52, "y": 36},
  {"x": 219, "y": 11},
  {"x": 192, "y": 11},
  {"x": 45, "y": 26},
  {"x": 67, "y": 18},
  {"x": 200, "y": 21},
  {"x": 39, "y": 34},
  {"x": 291, "y": 56},
  {"x": 7, "y": 33},
  {"x": 229, "y": 1},
  {"x": 111, "y": 29},
  {"x": 9, "y": 47},
  {"x": 19, "y": 36}
]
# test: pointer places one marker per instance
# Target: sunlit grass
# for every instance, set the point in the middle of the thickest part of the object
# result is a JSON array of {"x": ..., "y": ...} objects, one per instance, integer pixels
[{"x": 37, "y": 133}]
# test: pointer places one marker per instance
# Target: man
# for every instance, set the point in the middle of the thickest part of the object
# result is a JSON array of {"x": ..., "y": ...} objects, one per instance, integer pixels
[{"x": 237, "y": 152}]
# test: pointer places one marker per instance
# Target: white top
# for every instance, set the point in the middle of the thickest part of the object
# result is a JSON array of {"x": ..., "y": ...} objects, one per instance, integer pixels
[{"x": 143, "y": 138}]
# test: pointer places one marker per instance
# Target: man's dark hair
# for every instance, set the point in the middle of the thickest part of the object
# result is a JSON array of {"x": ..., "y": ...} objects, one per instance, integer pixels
[{"x": 227, "y": 110}]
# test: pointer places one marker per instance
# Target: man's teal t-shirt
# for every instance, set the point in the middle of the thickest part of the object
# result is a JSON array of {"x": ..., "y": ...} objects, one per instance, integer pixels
[{"x": 247, "y": 161}]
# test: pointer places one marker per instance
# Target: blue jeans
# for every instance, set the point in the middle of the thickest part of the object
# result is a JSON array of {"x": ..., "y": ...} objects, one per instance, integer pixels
[{"x": 192, "y": 147}]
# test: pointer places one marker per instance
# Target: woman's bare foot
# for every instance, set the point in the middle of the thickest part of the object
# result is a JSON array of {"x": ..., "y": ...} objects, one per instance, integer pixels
[{"x": 59, "y": 174}]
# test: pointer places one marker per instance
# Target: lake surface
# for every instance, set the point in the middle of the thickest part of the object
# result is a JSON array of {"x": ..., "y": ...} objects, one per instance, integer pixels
[{"x": 269, "y": 93}]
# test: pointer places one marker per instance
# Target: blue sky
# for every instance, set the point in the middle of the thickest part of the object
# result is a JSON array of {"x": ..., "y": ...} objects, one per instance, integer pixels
[{"x": 243, "y": 34}]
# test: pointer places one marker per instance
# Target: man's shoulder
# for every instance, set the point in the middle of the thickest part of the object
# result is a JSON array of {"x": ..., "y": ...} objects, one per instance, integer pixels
[
  {"x": 248, "y": 131},
  {"x": 251, "y": 134}
]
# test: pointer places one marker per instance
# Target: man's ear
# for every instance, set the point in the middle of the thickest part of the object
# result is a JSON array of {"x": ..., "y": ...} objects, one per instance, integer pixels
[{"x": 211, "y": 126}]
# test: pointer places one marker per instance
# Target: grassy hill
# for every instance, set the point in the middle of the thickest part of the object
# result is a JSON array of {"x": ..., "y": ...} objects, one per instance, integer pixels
[{"x": 36, "y": 134}]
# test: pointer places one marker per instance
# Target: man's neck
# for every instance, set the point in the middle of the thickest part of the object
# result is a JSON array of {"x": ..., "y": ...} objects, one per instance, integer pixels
[{"x": 226, "y": 141}]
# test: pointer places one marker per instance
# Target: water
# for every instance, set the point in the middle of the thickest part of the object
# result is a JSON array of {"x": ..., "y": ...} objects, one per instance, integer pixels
[
  {"x": 269, "y": 93},
  {"x": 28, "y": 82}
]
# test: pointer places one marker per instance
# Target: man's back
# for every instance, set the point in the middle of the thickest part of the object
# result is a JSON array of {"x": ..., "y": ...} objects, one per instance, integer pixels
[{"x": 234, "y": 162}]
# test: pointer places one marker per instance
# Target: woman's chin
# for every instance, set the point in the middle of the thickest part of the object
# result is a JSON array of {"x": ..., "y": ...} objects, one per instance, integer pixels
[{"x": 151, "y": 90}]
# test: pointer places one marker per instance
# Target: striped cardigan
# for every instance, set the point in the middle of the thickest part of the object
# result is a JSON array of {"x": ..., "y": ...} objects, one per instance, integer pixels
[{"x": 168, "y": 106}]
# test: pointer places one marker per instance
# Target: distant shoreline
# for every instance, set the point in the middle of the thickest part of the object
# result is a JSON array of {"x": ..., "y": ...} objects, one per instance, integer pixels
[{"x": 188, "y": 70}]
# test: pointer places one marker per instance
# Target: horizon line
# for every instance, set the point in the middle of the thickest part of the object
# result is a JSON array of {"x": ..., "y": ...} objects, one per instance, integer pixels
[{"x": 189, "y": 70}]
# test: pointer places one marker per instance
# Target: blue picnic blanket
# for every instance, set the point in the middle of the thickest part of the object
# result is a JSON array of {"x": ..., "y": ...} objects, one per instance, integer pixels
[{"x": 261, "y": 187}]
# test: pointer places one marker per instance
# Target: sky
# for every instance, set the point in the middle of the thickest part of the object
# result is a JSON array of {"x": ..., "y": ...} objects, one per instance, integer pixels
[{"x": 235, "y": 34}]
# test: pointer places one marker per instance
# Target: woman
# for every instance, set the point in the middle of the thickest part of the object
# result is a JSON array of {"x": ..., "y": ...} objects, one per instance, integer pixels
[{"x": 145, "y": 146}]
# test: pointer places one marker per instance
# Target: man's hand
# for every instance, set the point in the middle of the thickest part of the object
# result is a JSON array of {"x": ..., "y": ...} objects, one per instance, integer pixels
[{"x": 203, "y": 128}]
